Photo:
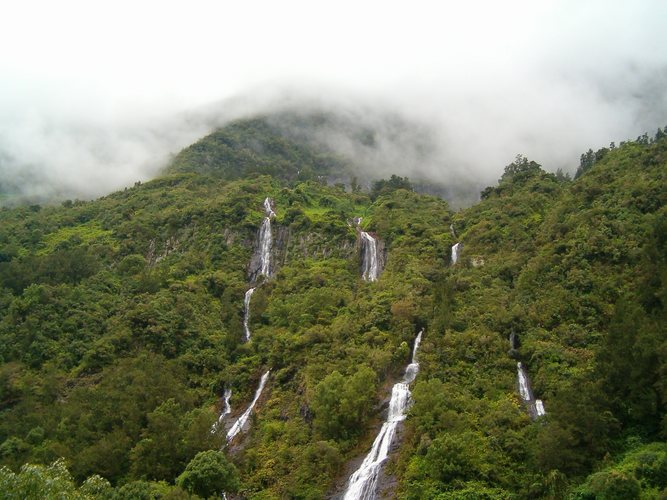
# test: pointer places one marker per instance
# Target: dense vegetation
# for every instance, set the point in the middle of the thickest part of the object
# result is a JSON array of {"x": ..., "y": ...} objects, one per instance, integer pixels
[{"x": 121, "y": 324}]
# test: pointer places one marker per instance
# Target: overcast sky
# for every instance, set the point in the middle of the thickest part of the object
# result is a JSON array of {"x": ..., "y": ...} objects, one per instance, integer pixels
[{"x": 94, "y": 95}]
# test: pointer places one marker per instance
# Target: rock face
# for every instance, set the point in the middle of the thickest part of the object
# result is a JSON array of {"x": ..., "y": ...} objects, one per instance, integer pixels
[
  {"x": 288, "y": 244},
  {"x": 477, "y": 261}
]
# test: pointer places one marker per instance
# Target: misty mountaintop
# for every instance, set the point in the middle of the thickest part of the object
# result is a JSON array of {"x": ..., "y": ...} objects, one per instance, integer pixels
[
  {"x": 295, "y": 141},
  {"x": 336, "y": 147}
]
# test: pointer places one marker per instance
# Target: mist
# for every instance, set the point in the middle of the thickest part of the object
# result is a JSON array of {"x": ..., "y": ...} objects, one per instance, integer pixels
[{"x": 92, "y": 101}]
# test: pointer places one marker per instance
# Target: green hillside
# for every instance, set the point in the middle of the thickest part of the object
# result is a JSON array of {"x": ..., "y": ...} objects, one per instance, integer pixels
[
  {"x": 251, "y": 147},
  {"x": 121, "y": 326}
]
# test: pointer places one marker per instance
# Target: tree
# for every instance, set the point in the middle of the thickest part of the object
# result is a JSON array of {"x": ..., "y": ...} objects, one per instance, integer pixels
[
  {"x": 393, "y": 183},
  {"x": 341, "y": 405},
  {"x": 158, "y": 455},
  {"x": 520, "y": 169},
  {"x": 52, "y": 481},
  {"x": 614, "y": 485},
  {"x": 209, "y": 474}
]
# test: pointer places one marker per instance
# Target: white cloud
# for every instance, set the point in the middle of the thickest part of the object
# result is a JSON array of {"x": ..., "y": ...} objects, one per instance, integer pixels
[{"x": 93, "y": 95}]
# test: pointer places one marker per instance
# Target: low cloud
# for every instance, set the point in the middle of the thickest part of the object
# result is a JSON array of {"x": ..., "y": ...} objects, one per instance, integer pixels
[{"x": 450, "y": 95}]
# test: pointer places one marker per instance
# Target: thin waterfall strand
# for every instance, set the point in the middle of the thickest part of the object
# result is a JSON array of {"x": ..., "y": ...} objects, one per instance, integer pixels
[
  {"x": 524, "y": 386},
  {"x": 226, "y": 410},
  {"x": 266, "y": 240},
  {"x": 241, "y": 422},
  {"x": 369, "y": 257},
  {"x": 246, "y": 313},
  {"x": 228, "y": 407},
  {"x": 267, "y": 208},
  {"x": 265, "y": 243},
  {"x": 535, "y": 406},
  {"x": 455, "y": 253},
  {"x": 363, "y": 483}
]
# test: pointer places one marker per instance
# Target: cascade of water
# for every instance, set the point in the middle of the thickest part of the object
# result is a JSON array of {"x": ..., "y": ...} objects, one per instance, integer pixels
[
  {"x": 535, "y": 406},
  {"x": 514, "y": 342},
  {"x": 265, "y": 243},
  {"x": 246, "y": 313},
  {"x": 226, "y": 410},
  {"x": 524, "y": 385},
  {"x": 363, "y": 482},
  {"x": 241, "y": 422},
  {"x": 265, "y": 240},
  {"x": 267, "y": 208},
  {"x": 455, "y": 253},
  {"x": 369, "y": 257},
  {"x": 451, "y": 230},
  {"x": 228, "y": 407}
]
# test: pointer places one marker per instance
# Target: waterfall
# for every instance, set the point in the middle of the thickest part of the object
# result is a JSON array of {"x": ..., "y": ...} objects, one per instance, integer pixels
[
  {"x": 363, "y": 482},
  {"x": 455, "y": 253},
  {"x": 451, "y": 230},
  {"x": 265, "y": 240},
  {"x": 535, "y": 406},
  {"x": 524, "y": 385},
  {"x": 246, "y": 313},
  {"x": 228, "y": 408},
  {"x": 369, "y": 257},
  {"x": 225, "y": 411},
  {"x": 514, "y": 341},
  {"x": 267, "y": 208},
  {"x": 241, "y": 422}
]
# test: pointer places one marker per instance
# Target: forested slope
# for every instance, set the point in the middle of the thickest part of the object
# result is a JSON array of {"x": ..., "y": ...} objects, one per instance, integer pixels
[
  {"x": 577, "y": 271},
  {"x": 122, "y": 325}
]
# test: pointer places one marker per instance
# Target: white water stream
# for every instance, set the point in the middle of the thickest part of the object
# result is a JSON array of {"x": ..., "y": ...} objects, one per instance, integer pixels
[
  {"x": 535, "y": 406},
  {"x": 265, "y": 240},
  {"x": 455, "y": 253},
  {"x": 369, "y": 256},
  {"x": 226, "y": 411},
  {"x": 243, "y": 419},
  {"x": 246, "y": 313},
  {"x": 363, "y": 483}
]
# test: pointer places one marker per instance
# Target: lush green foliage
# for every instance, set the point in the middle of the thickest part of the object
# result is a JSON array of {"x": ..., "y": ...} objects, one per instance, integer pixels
[
  {"x": 121, "y": 324},
  {"x": 209, "y": 474},
  {"x": 578, "y": 271}
]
